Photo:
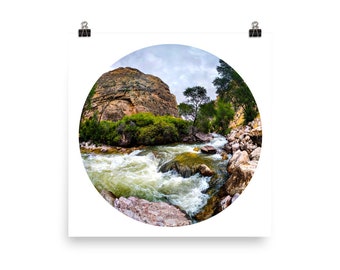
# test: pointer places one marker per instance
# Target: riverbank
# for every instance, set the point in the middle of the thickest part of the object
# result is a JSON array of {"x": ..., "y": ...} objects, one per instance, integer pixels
[
  {"x": 243, "y": 149},
  {"x": 244, "y": 144},
  {"x": 89, "y": 147}
]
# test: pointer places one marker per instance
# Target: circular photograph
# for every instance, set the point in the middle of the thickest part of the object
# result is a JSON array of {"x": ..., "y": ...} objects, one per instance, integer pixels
[{"x": 171, "y": 135}]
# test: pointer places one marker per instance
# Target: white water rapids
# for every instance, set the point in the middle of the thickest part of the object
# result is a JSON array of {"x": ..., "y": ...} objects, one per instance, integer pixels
[{"x": 137, "y": 174}]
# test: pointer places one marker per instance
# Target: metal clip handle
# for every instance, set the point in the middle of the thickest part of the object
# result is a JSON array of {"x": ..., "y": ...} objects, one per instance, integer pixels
[
  {"x": 255, "y": 31},
  {"x": 84, "y": 25},
  {"x": 255, "y": 25},
  {"x": 84, "y": 31}
]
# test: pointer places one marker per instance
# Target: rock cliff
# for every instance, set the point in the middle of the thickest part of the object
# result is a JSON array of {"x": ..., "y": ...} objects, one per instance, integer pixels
[{"x": 126, "y": 91}]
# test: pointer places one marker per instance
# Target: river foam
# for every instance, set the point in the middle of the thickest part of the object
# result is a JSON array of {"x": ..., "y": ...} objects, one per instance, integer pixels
[{"x": 137, "y": 174}]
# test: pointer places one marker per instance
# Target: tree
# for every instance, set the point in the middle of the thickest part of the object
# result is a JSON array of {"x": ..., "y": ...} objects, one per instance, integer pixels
[
  {"x": 231, "y": 88},
  {"x": 223, "y": 115},
  {"x": 195, "y": 97},
  {"x": 205, "y": 116},
  {"x": 186, "y": 110}
]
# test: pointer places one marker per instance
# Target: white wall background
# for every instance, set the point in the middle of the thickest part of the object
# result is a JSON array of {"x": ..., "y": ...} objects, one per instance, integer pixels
[{"x": 33, "y": 136}]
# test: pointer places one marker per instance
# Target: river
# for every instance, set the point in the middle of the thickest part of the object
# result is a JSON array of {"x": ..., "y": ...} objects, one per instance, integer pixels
[{"x": 138, "y": 174}]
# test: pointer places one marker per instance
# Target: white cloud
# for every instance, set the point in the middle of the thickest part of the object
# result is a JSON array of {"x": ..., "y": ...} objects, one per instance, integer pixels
[{"x": 178, "y": 66}]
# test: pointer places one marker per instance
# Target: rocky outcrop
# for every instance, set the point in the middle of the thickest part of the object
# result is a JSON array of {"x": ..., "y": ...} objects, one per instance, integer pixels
[
  {"x": 244, "y": 143},
  {"x": 245, "y": 138},
  {"x": 244, "y": 146},
  {"x": 154, "y": 213},
  {"x": 127, "y": 91}
]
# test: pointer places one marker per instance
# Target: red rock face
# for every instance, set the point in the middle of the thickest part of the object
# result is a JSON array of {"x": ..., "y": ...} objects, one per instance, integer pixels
[{"x": 127, "y": 91}]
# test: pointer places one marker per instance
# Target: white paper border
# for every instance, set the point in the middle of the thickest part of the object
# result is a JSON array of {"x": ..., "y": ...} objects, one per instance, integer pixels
[{"x": 89, "y": 214}]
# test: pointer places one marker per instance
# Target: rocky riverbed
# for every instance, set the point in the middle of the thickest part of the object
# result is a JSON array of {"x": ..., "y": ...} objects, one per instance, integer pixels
[
  {"x": 244, "y": 144},
  {"x": 176, "y": 185},
  {"x": 243, "y": 151}
]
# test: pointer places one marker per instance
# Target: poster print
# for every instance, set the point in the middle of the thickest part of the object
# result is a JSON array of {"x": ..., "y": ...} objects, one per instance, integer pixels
[{"x": 170, "y": 136}]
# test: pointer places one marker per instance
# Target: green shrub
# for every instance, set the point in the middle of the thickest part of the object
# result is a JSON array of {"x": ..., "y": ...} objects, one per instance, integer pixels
[
  {"x": 159, "y": 133},
  {"x": 141, "y": 119},
  {"x": 181, "y": 125},
  {"x": 137, "y": 129}
]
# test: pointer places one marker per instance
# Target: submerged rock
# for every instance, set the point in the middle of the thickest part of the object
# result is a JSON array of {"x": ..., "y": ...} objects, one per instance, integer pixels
[
  {"x": 208, "y": 210},
  {"x": 154, "y": 213}
]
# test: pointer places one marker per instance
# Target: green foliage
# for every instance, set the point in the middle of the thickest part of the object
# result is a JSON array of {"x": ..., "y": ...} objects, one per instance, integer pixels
[
  {"x": 196, "y": 96},
  {"x": 186, "y": 110},
  {"x": 159, "y": 133},
  {"x": 231, "y": 88},
  {"x": 88, "y": 105},
  {"x": 137, "y": 129},
  {"x": 140, "y": 119},
  {"x": 181, "y": 125},
  {"x": 223, "y": 115},
  {"x": 205, "y": 117}
]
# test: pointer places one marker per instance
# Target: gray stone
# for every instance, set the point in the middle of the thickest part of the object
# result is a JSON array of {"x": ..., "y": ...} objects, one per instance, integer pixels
[
  {"x": 208, "y": 149},
  {"x": 255, "y": 155},
  {"x": 239, "y": 157},
  {"x": 202, "y": 137},
  {"x": 235, "y": 147}
]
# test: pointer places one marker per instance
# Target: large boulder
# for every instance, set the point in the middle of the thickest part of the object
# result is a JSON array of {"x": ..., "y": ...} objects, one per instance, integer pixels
[
  {"x": 188, "y": 164},
  {"x": 240, "y": 178},
  {"x": 154, "y": 213},
  {"x": 208, "y": 149},
  {"x": 241, "y": 169},
  {"x": 203, "y": 137},
  {"x": 239, "y": 158},
  {"x": 255, "y": 155},
  {"x": 127, "y": 91},
  {"x": 205, "y": 170}
]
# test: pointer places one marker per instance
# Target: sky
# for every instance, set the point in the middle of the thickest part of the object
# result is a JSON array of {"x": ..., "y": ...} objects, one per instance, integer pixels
[{"x": 179, "y": 66}]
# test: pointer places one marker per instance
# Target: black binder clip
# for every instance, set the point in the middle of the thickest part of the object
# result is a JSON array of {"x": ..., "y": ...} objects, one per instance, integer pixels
[
  {"x": 255, "y": 31},
  {"x": 84, "y": 31}
]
